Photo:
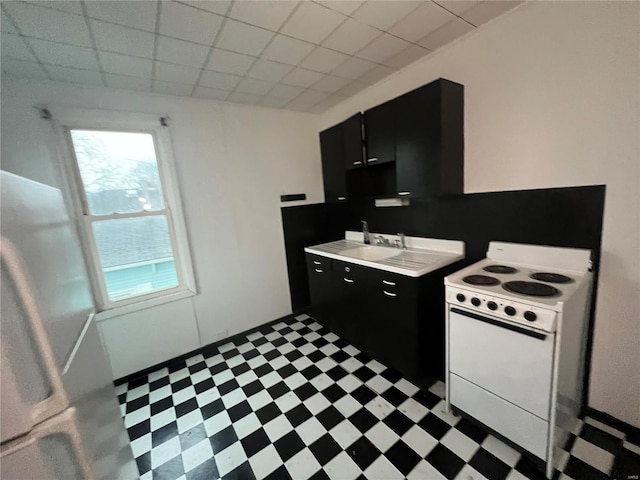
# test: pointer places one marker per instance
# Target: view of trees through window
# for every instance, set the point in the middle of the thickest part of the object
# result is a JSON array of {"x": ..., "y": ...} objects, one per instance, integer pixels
[{"x": 120, "y": 177}]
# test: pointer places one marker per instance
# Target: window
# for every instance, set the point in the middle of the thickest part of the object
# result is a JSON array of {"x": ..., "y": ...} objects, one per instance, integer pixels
[{"x": 132, "y": 229}]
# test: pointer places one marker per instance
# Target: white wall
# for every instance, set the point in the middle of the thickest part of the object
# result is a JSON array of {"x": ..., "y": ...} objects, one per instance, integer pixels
[
  {"x": 233, "y": 163},
  {"x": 552, "y": 98}
]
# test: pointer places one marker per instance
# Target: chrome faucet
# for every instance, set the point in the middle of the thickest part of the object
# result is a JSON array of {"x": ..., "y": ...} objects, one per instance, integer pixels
[
  {"x": 380, "y": 240},
  {"x": 403, "y": 241}
]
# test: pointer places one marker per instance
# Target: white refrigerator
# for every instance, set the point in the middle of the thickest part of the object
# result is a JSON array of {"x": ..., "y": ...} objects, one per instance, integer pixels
[{"x": 59, "y": 412}]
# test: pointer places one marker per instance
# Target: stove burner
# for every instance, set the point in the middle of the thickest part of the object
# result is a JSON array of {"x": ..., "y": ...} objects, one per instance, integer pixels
[
  {"x": 534, "y": 289},
  {"x": 551, "y": 277},
  {"x": 499, "y": 269},
  {"x": 481, "y": 280}
]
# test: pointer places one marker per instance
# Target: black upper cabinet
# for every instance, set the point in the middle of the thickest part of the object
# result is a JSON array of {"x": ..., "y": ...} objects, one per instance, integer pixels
[
  {"x": 333, "y": 161},
  {"x": 430, "y": 140},
  {"x": 352, "y": 138},
  {"x": 379, "y": 128},
  {"x": 421, "y": 131}
]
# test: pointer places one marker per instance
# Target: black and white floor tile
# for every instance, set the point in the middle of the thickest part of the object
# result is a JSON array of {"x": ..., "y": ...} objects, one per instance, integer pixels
[{"x": 295, "y": 401}]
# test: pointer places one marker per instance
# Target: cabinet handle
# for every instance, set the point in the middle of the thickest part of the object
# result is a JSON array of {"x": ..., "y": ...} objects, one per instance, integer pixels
[
  {"x": 390, "y": 294},
  {"x": 386, "y": 282},
  {"x": 315, "y": 262},
  {"x": 318, "y": 270},
  {"x": 342, "y": 198},
  {"x": 348, "y": 280},
  {"x": 404, "y": 193},
  {"x": 371, "y": 160},
  {"x": 357, "y": 163}
]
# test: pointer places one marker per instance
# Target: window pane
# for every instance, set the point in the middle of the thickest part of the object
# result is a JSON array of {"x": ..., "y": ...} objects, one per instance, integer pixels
[
  {"x": 118, "y": 170},
  {"x": 135, "y": 255}
]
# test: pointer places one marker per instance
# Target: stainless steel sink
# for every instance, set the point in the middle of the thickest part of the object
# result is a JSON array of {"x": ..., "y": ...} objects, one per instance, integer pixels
[{"x": 370, "y": 253}]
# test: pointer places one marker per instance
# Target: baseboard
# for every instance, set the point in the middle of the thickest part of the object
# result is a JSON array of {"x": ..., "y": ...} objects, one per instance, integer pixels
[
  {"x": 633, "y": 433},
  {"x": 204, "y": 349}
]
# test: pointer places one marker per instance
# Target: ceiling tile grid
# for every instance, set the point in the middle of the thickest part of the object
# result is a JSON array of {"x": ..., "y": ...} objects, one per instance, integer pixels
[{"x": 302, "y": 55}]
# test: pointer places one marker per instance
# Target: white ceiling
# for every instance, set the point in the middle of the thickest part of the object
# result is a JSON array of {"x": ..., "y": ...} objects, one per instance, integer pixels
[{"x": 298, "y": 55}]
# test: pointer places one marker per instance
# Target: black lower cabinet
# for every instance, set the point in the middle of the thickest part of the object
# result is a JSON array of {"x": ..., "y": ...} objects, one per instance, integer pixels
[{"x": 395, "y": 319}]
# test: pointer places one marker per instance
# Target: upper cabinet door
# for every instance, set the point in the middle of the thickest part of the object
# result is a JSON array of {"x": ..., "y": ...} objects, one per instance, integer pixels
[
  {"x": 430, "y": 140},
  {"x": 333, "y": 160},
  {"x": 353, "y": 141},
  {"x": 379, "y": 129}
]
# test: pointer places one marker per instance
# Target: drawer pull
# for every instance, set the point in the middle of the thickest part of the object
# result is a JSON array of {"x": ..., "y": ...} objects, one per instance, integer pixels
[
  {"x": 390, "y": 294},
  {"x": 318, "y": 270},
  {"x": 404, "y": 193},
  {"x": 371, "y": 160},
  {"x": 357, "y": 163},
  {"x": 342, "y": 198},
  {"x": 315, "y": 262},
  {"x": 386, "y": 282},
  {"x": 348, "y": 280}
]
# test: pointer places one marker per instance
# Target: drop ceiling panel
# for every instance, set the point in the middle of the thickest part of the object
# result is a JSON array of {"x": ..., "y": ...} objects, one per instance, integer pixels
[
  {"x": 229, "y": 62},
  {"x": 383, "y": 14},
  {"x": 424, "y": 19},
  {"x": 70, "y": 6},
  {"x": 126, "y": 82},
  {"x": 211, "y": 93},
  {"x": 242, "y": 38},
  {"x": 302, "y": 77},
  {"x": 141, "y": 15},
  {"x": 13, "y": 46},
  {"x": 445, "y": 34},
  {"x": 270, "y": 15},
  {"x": 23, "y": 69},
  {"x": 343, "y": 6},
  {"x": 118, "y": 39},
  {"x": 168, "y": 72},
  {"x": 353, "y": 68},
  {"x": 74, "y": 75},
  {"x": 49, "y": 24},
  {"x": 351, "y": 36},
  {"x": 383, "y": 47},
  {"x": 254, "y": 86},
  {"x": 115, "y": 63},
  {"x": 168, "y": 88},
  {"x": 181, "y": 52},
  {"x": 188, "y": 23},
  {"x": 218, "y": 6},
  {"x": 312, "y": 22},
  {"x": 330, "y": 84},
  {"x": 299, "y": 55},
  {"x": 223, "y": 81},
  {"x": 488, "y": 10},
  {"x": 269, "y": 71},
  {"x": 407, "y": 56},
  {"x": 323, "y": 60},
  {"x": 65, "y": 55},
  {"x": 287, "y": 50}
]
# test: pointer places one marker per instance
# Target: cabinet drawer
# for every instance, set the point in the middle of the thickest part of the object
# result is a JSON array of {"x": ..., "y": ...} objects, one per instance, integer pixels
[
  {"x": 350, "y": 272},
  {"x": 393, "y": 285},
  {"x": 318, "y": 263}
]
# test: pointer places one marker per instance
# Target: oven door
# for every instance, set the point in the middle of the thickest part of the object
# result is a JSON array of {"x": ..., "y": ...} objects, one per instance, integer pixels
[{"x": 510, "y": 361}]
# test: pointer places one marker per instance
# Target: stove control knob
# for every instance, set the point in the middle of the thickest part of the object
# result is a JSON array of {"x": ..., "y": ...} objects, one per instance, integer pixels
[
  {"x": 531, "y": 316},
  {"x": 475, "y": 301},
  {"x": 492, "y": 305},
  {"x": 509, "y": 310},
  {"x": 460, "y": 297}
]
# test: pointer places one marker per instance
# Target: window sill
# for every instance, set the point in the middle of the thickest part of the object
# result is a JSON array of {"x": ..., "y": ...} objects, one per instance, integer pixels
[{"x": 143, "y": 305}]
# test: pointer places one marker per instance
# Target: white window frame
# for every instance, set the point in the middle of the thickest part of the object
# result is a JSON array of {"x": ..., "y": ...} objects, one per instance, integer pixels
[{"x": 66, "y": 120}]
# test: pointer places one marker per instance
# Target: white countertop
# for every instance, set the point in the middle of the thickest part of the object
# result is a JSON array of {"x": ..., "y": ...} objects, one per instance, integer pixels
[{"x": 422, "y": 255}]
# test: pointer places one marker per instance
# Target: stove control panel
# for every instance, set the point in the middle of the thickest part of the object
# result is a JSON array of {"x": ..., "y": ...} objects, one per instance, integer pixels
[{"x": 495, "y": 307}]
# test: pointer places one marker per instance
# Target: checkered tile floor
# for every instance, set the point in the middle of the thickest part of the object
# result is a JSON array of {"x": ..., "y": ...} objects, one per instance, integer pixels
[{"x": 296, "y": 401}]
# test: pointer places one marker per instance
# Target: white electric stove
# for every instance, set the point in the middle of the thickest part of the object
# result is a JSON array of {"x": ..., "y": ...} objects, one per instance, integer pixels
[{"x": 516, "y": 330}]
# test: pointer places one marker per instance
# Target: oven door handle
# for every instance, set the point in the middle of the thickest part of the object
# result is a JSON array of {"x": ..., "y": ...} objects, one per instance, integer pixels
[{"x": 498, "y": 323}]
